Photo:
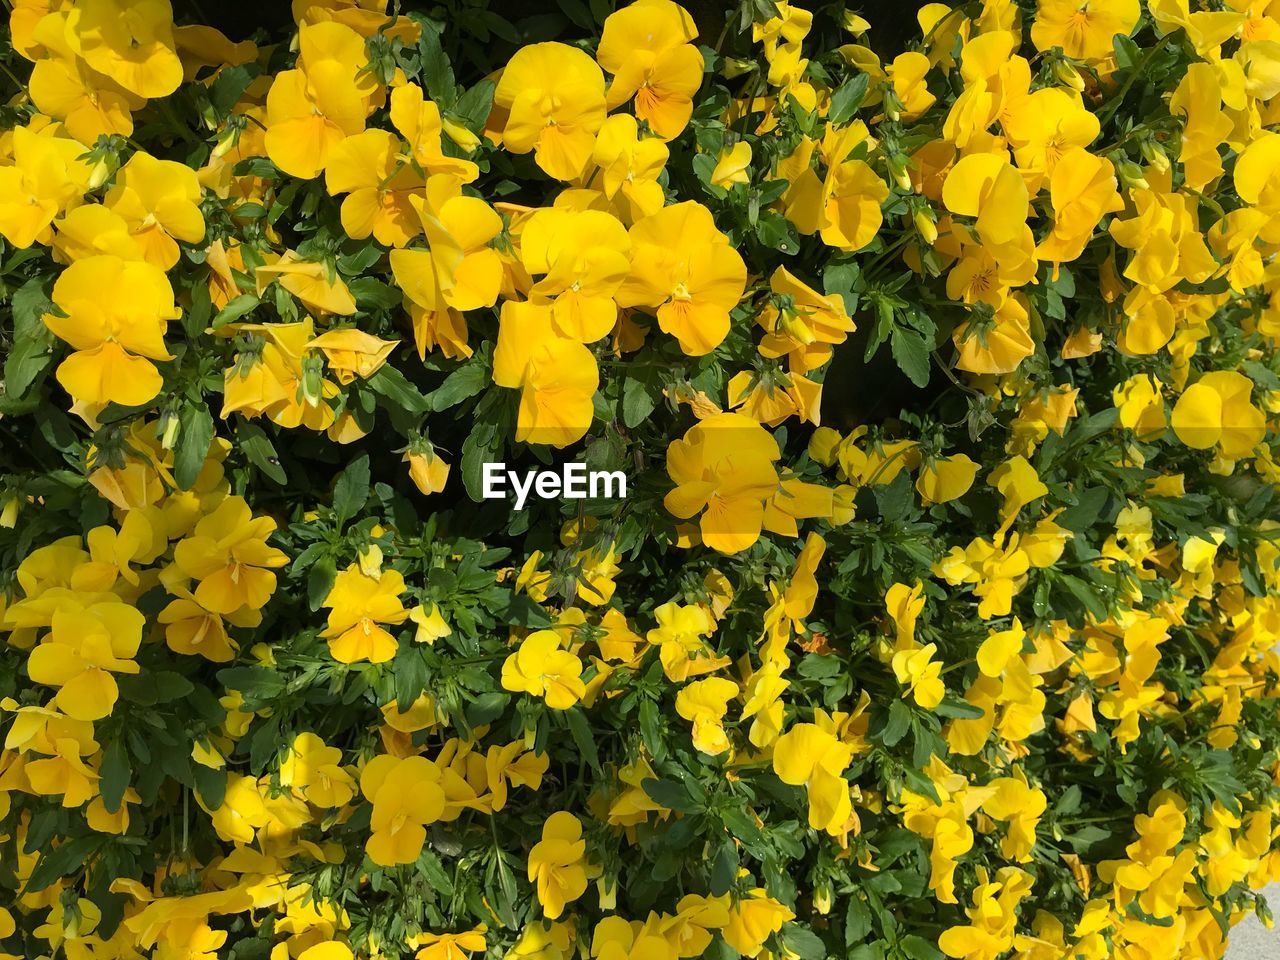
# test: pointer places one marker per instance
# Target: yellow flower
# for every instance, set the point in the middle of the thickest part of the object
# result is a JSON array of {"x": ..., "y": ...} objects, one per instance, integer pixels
[
  {"x": 733, "y": 165},
  {"x": 83, "y": 649},
  {"x": 192, "y": 630},
  {"x": 813, "y": 757},
  {"x": 1216, "y": 411},
  {"x": 630, "y": 167},
  {"x": 160, "y": 201},
  {"x": 555, "y": 101},
  {"x": 557, "y": 863},
  {"x": 679, "y": 636},
  {"x": 1083, "y": 31},
  {"x": 418, "y": 121},
  {"x": 1141, "y": 405},
  {"x": 449, "y": 946},
  {"x": 378, "y": 181},
  {"x": 1082, "y": 188},
  {"x": 313, "y": 108},
  {"x": 539, "y": 667},
  {"x": 556, "y": 375},
  {"x": 582, "y": 256},
  {"x": 90, "y": 105},
  {"x": 757, "y": 916},
  {"x": 704, "y": 703},
  {"x": 228, "y": 553},
  {"x": 995, "y": 343},
  {"x": 648, "y": 47},
  {"x": 353, "y": 353},
  {"x": 358, "y": 606},
  {"x": 943, "y": 479},
  {"x": 407, "y": 795},
  {"x": 683, "y": 268},
  {"x": 311, "y": 281},
  {"x": 272, "y": 382},
  {"x": 130, "y": 41},
  {"x": 723, "y": 469},
  {"x": 116, "y": 337},
  {"x": 988, "y": 188},
  {"x": 907, "y": 73},
  {"x": 921, "y": 674},
  {"x": 314, "y": 769},
  {"x": 427, "y": 469},
  {"x": 801, "y": 323},
  {"x": 431, "y": 624}
]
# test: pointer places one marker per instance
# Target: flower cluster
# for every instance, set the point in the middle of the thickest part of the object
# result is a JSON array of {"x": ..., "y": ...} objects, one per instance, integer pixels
[{"x": 939, "y": 616}]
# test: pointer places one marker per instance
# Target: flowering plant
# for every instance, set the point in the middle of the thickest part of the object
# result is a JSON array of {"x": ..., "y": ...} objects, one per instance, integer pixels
[{"x": 938, "y": 616}]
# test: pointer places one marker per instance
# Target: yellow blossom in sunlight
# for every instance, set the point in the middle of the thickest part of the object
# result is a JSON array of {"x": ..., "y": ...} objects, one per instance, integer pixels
[
  {"x": 359, "y": 606},
  {"x": 115, "y": 339},
  {"x": 557, "y": 863},
  {"x": 539, "y": 667},
  {"x": 554, "y": 96},
  {"x": 704, "y": 703}
]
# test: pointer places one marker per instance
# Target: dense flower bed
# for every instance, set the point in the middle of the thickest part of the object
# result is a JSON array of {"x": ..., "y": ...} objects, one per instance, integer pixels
[{"x": 937, "y": 619}]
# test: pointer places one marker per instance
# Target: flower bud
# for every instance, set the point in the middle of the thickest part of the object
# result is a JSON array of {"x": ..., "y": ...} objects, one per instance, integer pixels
[
  {"x": 459, "y": 134},
  {"x": 1066, "y": 73},
  {"x": 1131, "y": 175},
  {"x": 822, "y": 898},
  {"x": 1155, "y": 156},
  {"x": 172, "y": 427},
  {"x": 925, "y": 226}
]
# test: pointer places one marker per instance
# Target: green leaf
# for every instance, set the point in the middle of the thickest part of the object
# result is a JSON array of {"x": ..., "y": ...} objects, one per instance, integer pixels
[
  {"x": 351, "y": 489},
  {"x": 390, "y": 383},
  {"x": 897, "y": 725},
  {"x": 473, "y": 107},
  {"x": 234, "y": 310},
  {"x": 857, "y": 920},
  {"x": 1085, "y": 594},
  {"x": 894, "y": 499},
  {"x": 777, "y": 232},
  {"x": 33, "y": 341},
  {"x": 723, "y": 869},
  {"x": 804, "y": 943},
  {"x": 320, "y": 581},
  {"x": 210, "y": 784},
  {"x": 437, "y": 74},
  {"x": 848, "y": 98},
  {"x": 257, "y": 446},
  {"x": 194, "y": 437},
  {"x": 483, "y": 445},
  {"x": 743, "y": 826},
  {"x": 637, "y": 400},
  {"x": 523, "y": 612},
  {"x": 911, "y": 353},
  {"x": 918, "y": 948},
  {"x": 114, "y": 774},
  {"x": 151, "y": 688},
  {"x": 260, "y": 683},
  {"x": 955, "y": 707},
  {"x": 669, "y": 793},
  {"x": 583, "y": 737},
  {"x": 465, "y": 382}
]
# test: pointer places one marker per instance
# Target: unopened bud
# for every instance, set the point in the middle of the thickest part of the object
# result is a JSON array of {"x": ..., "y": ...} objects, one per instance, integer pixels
[
  {"x": 172, "y": 427},
  {"x": 925, "y": 226},
  {"x": 1069, "y": 75},
  {"x": 459, "y": 134},
  {"x": 1131, "y": 175},
  {"x": 1155, "y": 156},
  {"x": 822, "y": 898}
]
